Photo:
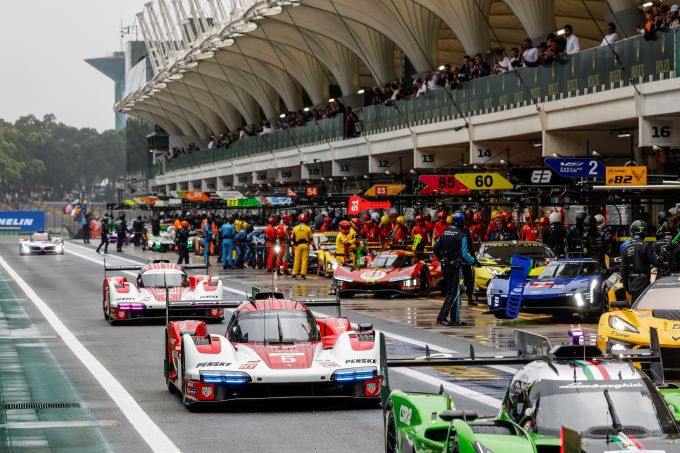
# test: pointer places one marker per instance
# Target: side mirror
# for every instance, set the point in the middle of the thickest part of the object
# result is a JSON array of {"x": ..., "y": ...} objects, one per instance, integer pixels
[
  {"x": 529, "y": 412},
  {"x": 618, "y": 304},
  {"x": 365, "y": 327}
]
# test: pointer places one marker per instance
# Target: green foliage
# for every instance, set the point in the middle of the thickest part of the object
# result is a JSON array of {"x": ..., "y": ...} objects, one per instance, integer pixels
[{"x": 44, "y": 154}]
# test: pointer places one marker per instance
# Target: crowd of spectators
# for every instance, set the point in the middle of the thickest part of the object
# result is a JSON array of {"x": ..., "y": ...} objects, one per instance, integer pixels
[{"x": 659, "y": 17}]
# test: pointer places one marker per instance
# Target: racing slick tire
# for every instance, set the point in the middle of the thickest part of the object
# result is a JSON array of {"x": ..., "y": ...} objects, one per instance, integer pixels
[
  {"x": 390, "y": 430},
  {"x": 166, "y": 368},
  {"x": 189, "y": 405},
  {"x": 21, "y": 252},
  {"x": 106, "y": 313}
]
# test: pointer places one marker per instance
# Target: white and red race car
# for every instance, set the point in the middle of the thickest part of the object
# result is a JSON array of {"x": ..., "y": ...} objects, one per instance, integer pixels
[
  {"x": 145, "y": 298},
  {"x": 273, "y": 348},
  {"x": 41, "y": 243}
]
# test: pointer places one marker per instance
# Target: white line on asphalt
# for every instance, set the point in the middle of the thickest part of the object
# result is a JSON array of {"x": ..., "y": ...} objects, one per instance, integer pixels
[
  {"x": 61, "y": 424},
  {"x": 418, "y": 375},
  {"x": 147, "y": 429},
  {"x": 453, "y": 388}
]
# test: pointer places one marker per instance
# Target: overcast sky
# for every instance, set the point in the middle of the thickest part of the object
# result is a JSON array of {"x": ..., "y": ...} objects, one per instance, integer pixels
[{"x": 43, "y": 45}]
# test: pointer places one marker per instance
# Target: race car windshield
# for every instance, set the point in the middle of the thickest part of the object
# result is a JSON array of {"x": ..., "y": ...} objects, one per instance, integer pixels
[
  {"x": 502, "y": 254},
  {"x": 390, "y": 261},
  {"x": 570, "y": 269},
  {"x": 161, "y": 279},
  {"x": 326, "y": 242},
  {"x": 37, "y": 237},
  {"x": 635, "y": 406},
  {"x": 274, "y": 326},
  {"x": 659, "y": 298}
]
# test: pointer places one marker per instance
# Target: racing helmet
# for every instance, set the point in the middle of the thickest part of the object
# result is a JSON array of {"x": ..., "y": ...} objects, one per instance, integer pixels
[
  {"x": 477, "y": 217},
  {"x": 344, "y": 226},
  {"x": 393, "y": 216},
  {"x": 367, "y": 217},
  {"x": 449, "y": 219},
  {"x": 419, "y": 219},
  {"x": 272, "y": 221},
  {"x": 555, "y": 217},
  {"x": 458, "y": 218},
  {"x": 287, "y": 218},
  {"x": 638, "y": 228},
  {"x": 303, "y": 218},
  {"x": 662, "y": 217},
  {"x": 589, "y": 221},
  {"x": 327, "y": 220},
  {"x": 494, "y": 214},
  {"x": 185, "y": 224},
  {"x": 601, "y": 222},
  {"x": 375, "y": 217},
  {"x": 504, "y": 216},
  {"x": 384, "y": 220},
  {"x": 401, "y": 220},
  {"x": 544, "y": 221},
  {"x": 441, "y": 215},
  {"x": 580, "y": 218},
  {"x": 355, "y": 222}
]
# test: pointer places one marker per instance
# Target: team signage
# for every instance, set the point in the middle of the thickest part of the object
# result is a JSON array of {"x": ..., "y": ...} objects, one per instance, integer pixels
[
  {"x": 22, "y": 221},
  {"x": 484, "y": 181},
  {"x": 357, "y": 205},
  {"x": 384, "y": 190},
  {"x": 576, "y": 167},
  {"x": 627, "y": 176},
  {"x": 538, "y": 177},
  {"x": 446, "y": 184}
]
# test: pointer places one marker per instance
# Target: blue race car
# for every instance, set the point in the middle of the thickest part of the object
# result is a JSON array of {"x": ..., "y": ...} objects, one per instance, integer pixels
[{"x": 566, "y": 286}]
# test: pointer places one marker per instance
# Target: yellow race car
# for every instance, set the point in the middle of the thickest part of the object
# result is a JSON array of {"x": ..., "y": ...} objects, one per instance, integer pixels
[
  {"x": 325, "y": 252},
  {"x": 494, "y": 260},
  {"x": 625, "y": 327}
]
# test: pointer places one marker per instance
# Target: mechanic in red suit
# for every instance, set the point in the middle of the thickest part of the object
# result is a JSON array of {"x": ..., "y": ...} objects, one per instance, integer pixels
[
  {"x": 371, "y": 230},
  {"x": 327, "y": 224},
  {"x": 440, "y": 225},
  {"x": 477, "y": 229},
  {"x": 283, "y": 235},
  {"x": 270, "y": 242}
]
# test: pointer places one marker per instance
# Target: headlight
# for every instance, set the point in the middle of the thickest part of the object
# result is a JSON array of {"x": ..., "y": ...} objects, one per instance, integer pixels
[
  {"x": 495, "y": 271},
  {"x": 580, "y": 302},
  {"x": 410, "y": 283},
  {"x": 397, "y": 279},
  {"x": 333, "y": 265},
  {"x": 225, "y": 377},
  {"x": 24, "y": 247},
  {"x": 354, "y": 374},
  {"x": 619, "y": 324},
  {"x": 593, "y": 287},
  {"x": 344, "y": 279}
]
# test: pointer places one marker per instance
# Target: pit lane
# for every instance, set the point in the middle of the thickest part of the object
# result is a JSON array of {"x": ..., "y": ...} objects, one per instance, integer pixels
[{"x": 71, "y": 285}]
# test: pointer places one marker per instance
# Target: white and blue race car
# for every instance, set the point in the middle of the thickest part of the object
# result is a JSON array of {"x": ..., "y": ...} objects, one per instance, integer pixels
[{"x": 566, "y": 286}]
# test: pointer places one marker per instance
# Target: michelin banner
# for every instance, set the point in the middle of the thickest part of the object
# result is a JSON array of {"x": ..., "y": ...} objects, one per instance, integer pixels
[{"x": 22, "y": 221}]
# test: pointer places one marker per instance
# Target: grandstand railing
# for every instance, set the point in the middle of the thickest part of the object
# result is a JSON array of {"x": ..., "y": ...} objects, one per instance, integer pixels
[{"x": 591, "y": 71}]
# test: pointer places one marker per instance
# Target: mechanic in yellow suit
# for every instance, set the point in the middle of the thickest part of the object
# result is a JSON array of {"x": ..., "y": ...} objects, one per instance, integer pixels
[
  {"x": 345, "y": 247},
  {"x": 302, "y": 239}
]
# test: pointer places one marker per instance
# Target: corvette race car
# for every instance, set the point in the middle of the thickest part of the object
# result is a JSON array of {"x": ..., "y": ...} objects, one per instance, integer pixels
[
  {"x": 625, "y": 327},
  {"x": 494, "y": 259},
  {"x": 565, "y": 286},
  {"x": 273, "y": 348},
  {"x": 613, "y": 405},
  {"x": 145, "y": 298},
  {"x": 325, "y": 252},
  {"x": 391, "y": 271},
  {"x": 41, "y": 243}
]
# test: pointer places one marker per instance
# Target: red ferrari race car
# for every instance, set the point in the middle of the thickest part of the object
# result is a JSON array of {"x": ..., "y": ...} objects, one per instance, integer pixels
[
  {"x": 145, "y": 298},
  {"x": 273, "y": 348},
  {"x": 391, "y": 272}
]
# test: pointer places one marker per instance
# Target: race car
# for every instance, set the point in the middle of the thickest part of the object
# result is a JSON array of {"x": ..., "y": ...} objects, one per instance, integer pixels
[
  {"x": 625, "y": 327},
  {"x": 565, "y": 287},
  {"x": 146, "y": 297},
  {"x": 41, "y": 243},
  {"x": 613, "y": 405},
  {"x": 273, "y": 348},
  {"x": 325, "y": 252},
  {"x": 494, "y": 260},
  {"x": 161, "y": 243},
  {"x": 391, "y": 272}
]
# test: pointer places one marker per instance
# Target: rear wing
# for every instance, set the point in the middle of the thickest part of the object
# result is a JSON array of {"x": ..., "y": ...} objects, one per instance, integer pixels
[
  {"x": 137, "y": 267},
  {"x": 530, "y": 348},
  {"x": 258, "y": 294}
]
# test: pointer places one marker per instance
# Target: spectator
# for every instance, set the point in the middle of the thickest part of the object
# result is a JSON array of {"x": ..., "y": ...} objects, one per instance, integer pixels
[
  {"x": 515, "y": 58},
  {"x": 453, "y": 81},
  {"x": 211, "y": 143},
  {"x": 481, "y": 68},
  {"x": 431, "y": 79},
  {"x": 611, "y": 36},
  {"x": 503, "y": 63},
  {"x": 573, "y": 45},
  {"x": 529, "y": 54},
  {"x": 266, "y": 128},
  {"x": 350, "y": 121},
  {"x": 672, "y": 18},
  {"x": 465, "y": 73},
  {"x": 419, "y": 89}
]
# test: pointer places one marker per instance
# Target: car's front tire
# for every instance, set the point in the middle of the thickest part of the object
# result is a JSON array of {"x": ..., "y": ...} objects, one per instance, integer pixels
[
  {"x": 424, "y": 284},
  {"x": 391, "y": 443}
]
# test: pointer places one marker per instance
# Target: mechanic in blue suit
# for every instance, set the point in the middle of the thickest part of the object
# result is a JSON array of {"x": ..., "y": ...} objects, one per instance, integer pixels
[
  {"x": 227, "y": 233},
  {"x": 251, "y": 247},
  {"x": 240, "y": 246},
  {"x": 452, "y": 249},
  {"x": 207, "y": 240}
]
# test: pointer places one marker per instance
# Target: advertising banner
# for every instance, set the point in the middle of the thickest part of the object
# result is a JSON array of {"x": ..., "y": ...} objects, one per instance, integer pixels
[{"x": 22, "y": 221}]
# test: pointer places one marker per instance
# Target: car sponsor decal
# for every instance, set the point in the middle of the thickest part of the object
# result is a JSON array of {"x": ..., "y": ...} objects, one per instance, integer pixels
[
  {"x": 327, "y": 364},
  {"x": 597, "y": 386},
  {"x": 587, "y": 371},
  {"x": 206, "y": 391},
  {"x": 542, "y": 284},
  {"x": 282, "y": 354},
  {"x": 360, "y": 361},
  {"x": 371, "y": 388},
  {"x": 210, "y": 364},
  {"x": 371, "y": 276},
  {"x": 405, "y": 414},
  {"x": 342, "y": 324},
  {"x": 249, "y": 365}
]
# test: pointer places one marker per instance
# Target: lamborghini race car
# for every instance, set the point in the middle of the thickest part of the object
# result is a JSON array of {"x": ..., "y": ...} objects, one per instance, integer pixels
[
  {"x": 273, "y": 348},
  {"x": 391, "y": 272},
  {"x": 325, "y": 252},
  {"x": 494, "y": 259},
  {"x": 146, "y": 297},
  {"x": 625, "y": 327},
  {"x": 41, "y": 243},
  {"x": 565, "y": 286},
  {"x": 613, "y": 405}
]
